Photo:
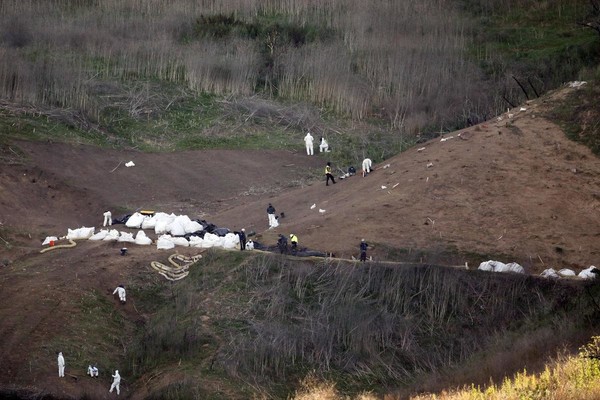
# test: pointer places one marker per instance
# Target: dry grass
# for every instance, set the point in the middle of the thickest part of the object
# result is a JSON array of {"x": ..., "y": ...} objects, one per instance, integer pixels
[{"x": 394, "y": 61}]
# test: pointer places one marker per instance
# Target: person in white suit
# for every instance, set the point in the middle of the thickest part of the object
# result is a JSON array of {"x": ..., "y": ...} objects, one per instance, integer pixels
[
  {"x": 107, "y": 219},
  {"x": 92, "y": 371},
  {"x": 323, "y": 146},
  {"x": 121, "y": 291},
  {"x": 61, "y": 365},
  {"x": 308, "y": 141},
  {"x": 116, "y": 382},
  {"x": 366, "y": 166}
]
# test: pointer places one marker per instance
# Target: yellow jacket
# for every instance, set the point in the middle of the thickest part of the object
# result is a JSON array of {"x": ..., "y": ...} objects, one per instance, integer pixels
[
  {"x": 327, "y": 170},
  {"x": 293, "y": 238}
]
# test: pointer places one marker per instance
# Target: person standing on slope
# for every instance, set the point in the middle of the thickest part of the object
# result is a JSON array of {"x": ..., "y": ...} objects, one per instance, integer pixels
[
  {"x": 242, "y": 235},
  {"x": 61, "y": 365},
  {"x": 116, "y": 382},
  {"x": 366, "y": 166},
  {"x": 271, "y": 214},
  {"x": 328, "y": 174},
  {"x": 308, "y": 141},
  {"x": 294, "y": 242},
  {"x": 363, "y": 250}
]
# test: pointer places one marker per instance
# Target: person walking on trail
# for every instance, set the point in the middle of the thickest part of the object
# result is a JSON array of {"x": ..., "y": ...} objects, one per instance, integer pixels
[
  {"x": 271, "y": 214},
  {"x": 308, "y": 141},
  {"x": 116, "y": 382},
  {"x": 282, "y": 244},
  {"x": 121, "y": 291},
  {"x": 294, "y": 242},
  {"x": 328, "y": 174},
  {"x": 363, "y": 250},
  {"x": 366, "y": 166},
  {"x": 242, "y": 235},
  {"x": 61, "y": 365},
  {"x": 323, "y": 146}
]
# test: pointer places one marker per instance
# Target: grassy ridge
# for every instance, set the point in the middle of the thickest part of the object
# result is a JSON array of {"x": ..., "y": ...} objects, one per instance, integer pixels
[{"x": 271, "y": 321}]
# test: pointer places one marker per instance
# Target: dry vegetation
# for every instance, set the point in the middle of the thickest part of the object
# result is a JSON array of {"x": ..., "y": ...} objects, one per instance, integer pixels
[
  {"x": 376, "y": 328},
  {"x": 397, "y": 61}
]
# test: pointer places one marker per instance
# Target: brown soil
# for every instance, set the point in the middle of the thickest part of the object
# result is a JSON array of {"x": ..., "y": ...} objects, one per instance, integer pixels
[{"x": 509, "y": 190}]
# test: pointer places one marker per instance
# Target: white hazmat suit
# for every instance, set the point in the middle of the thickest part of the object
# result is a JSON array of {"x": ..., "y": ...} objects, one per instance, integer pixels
[
  {"x": 323, "y": 146},
  {"x": 107, "y": 219},
  {"x": 308, "y": 140},
  {"x": 116, "y": 382},
  {"x": 366, "y": 166},
  {"x": 92, "y": 371},
  {"x": 61, "y": 365},
  {"x": 121, "y": 291}
]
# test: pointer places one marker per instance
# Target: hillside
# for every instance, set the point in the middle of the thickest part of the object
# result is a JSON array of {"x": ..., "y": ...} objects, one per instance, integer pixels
[{"x": 513, "y": 189}]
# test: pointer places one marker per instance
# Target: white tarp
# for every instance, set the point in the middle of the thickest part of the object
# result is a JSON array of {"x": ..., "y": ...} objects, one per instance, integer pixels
[
  {"x": 99, "y": 235},
  {"x": 165, "y": 243},
  {"x": 135, "y": 221},
  {"x": 549, "y": 273},
  {"x": 49, "y": 239},
  {"x": 567, "y": 272},
  {"x": 588, "y": 273},
  {"x": 162, "y": 221},
  {"x": 80, "y": 233},
  {"x": 126, "y": 237},
  {"x": 230, "y": 241},
  {"x": 497, "y": 266},
  {"x": 113, "y": 234},
  {"x": 142, "y": 239},
  {"x": 196, "y": 241}
]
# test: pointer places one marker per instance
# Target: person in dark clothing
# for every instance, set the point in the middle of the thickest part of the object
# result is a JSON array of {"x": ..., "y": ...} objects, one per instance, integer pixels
[
  {"x": 271, "y": 214},
  {"x": 282, "y": 244},
  {"x": 363, "y": 250},
  {"x": 242, "y": 235},
  {"x": 328, "y": 174},
  {"x": 294, "y": 241}
]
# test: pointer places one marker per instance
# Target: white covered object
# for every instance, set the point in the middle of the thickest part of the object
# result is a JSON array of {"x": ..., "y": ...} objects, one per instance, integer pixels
[
  {"x": 49, "y": 239},
  {"x": 162, "y": 221},
  {"x": 230, "y": 241},
  {"x": 99, "y": 235},
  {"x": 113, "y": 234},
  {"x": 513, "y": 267},
  {"x": 211, "y": 240},
  {"x": 549, "y": 273},
  {"x": 497, "y": 266},
  {"x": 587, "y": 273},
  {"x": 135, "y": 221},
  {"x": 80, "y": 233},
  {"x": 126, "y": 237},
  {"x": 177, "y": 226},
  {"x": 491, "y": 265},
  {"x": 149, "y": 222},
  {"x": 193, "y": 226},
  {"x": 165, "y": 242},
  {"x": 567, "y": 272},
  {"x": 180, "y": 241},
  {"x": 250, "y": 245},
  {"x": 129, "y": 164},
  {"x": 142, "y": 239},
  {"x": 196, "y": 241}
]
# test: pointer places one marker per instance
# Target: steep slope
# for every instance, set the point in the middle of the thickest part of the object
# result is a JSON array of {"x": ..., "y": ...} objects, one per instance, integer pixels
[{"x": 513, "y": 188}]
